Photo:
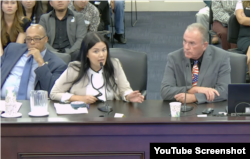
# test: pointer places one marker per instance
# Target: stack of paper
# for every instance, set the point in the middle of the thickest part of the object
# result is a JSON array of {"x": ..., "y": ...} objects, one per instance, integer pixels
[{"x": 67, "y": 109}]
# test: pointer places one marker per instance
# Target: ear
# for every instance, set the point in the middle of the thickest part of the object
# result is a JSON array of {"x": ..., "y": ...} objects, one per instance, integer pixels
[
  {"x": 51, "y": 3},
  {"x": 205, "y": 44}
]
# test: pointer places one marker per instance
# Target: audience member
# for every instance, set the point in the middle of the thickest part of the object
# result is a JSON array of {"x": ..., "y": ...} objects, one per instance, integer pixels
[
  {"x": 30, "y": 66},
  {"x": 32, "y": 10},
  {"x": 103, "y": 7},
  {"x": 86, "y": 80},
  {"x": 243, "y": 16},
  {"x": 89, "y": 11},
  {"x": 46, "y": 6},
  {"x": 202, "y": 17},
  {"x": 65, "y": 29},
  {"x": 202, "y": 68},
  {"x": 13, "y": 23},
  {"x": 221, "y": 14},
  {"x": 118, "y": 10}
]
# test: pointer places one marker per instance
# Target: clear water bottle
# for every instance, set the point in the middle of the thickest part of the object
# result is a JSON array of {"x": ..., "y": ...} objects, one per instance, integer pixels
[{"x": 10, "y": 101}]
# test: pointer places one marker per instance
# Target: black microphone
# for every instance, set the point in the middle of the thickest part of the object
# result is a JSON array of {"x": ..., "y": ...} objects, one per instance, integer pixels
[
  {"x": 105, "y": 108},
  {"x": 186, "y": 108}
]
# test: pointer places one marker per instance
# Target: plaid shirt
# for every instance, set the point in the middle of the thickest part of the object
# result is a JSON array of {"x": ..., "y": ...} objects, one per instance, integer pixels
[
  {"x": 222, "y": 10},
  {"x": 91, "y": 14}
]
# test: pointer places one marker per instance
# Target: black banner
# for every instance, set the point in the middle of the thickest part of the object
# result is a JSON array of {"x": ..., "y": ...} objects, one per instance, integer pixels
[{"x": 163, "y": 150}]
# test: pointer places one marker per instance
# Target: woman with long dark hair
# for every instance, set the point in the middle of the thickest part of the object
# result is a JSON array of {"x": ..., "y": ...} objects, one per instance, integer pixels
[
  {"x": 32, "y": 10},
  {"x": 13, "y": 23},
  {"x": 96, "y": 76}
]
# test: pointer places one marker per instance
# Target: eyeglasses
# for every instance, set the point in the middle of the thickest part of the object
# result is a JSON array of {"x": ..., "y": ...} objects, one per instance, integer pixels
[{"x": 36, "y": 40}]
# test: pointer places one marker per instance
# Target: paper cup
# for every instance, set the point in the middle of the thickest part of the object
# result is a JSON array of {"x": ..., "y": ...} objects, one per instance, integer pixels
[{"x": 175, "y": 108}]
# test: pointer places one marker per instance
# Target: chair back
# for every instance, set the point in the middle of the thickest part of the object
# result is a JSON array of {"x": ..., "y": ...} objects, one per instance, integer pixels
[
  {"x": 134, "y": 65},
  {"x": 233, "y": 29},
  {"x": 238, "y": 64},
  {"x": 64, "y": 56}
]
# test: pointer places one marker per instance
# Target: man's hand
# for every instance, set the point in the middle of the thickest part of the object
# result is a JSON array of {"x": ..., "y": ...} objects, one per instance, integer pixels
[
  {"x": 181, "y": 98},
  {"x": 36, "y": 55},
  {"x": 112, "y": 4},
  {"x": 209, "y": 92}
]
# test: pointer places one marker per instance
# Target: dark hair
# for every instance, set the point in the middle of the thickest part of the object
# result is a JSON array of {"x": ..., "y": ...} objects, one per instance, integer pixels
[
  {"x": 37, "y": 10},
  {"x": 108, "y": 69}
]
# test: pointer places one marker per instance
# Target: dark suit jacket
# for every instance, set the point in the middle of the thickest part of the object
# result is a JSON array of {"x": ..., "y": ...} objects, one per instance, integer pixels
[
  {"x": 46, "y": 75},
  {"x": 214, "y": 73}
]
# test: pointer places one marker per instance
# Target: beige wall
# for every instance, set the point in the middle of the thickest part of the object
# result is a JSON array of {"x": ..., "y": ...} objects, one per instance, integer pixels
[{"x": 167, "y": 5}]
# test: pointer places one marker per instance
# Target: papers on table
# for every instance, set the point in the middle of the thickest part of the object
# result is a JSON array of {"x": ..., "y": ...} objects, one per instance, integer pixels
[
  {"x": 2, "y": 105},
  {"x": 67, "y": 109}
]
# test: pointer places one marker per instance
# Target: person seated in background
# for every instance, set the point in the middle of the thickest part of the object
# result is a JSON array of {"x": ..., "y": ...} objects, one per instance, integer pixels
[
  {"x": 65, "y": 29},
  {"x": 221, "y": 14},
  {"x": 202, "y": 17},
  {"x": 32, "y": 10},
  {"x": 96, "y": 76},
  {"x": 13, "y": 23},
  {"x": 46, "y": 6},
  {"x": 242, "y": 13},
  {"x": 117, "y": 8},
  {"x": 89, "y": 11},
  {"x": 30, "y": 66},
  {"x": 103, "y": 7},
  {"x": 201, "y": 68}
]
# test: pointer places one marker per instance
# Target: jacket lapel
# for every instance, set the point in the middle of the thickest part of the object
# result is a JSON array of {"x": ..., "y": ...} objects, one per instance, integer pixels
[
  {"x": 70, "y": 21},
  {"x": 52, "y": 24},
  {"x": 187, "y": 71},
  {"x": 204, "y": 66}
]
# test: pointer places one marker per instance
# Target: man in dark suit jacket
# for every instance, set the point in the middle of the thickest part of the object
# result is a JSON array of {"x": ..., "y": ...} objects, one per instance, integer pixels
[
  {"x": 45, "y": 69},
  {"x": 65, "y": 29},
  {"x": 213, "y": 65}
]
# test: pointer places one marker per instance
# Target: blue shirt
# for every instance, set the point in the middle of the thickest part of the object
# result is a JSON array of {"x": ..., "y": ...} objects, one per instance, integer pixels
[{"x": 14, "y": 78}]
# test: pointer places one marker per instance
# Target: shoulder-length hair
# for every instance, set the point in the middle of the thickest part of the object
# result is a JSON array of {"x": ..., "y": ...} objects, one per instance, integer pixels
[
  {"x": 16, "y": 27},
  {"x": 246, "y": 4},
  {"x": 108, "y": 69},
  {"x": 37, "y": 10}
]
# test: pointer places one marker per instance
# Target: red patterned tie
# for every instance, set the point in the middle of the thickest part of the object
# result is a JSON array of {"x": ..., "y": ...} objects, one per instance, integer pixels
[{"x": 195, "y": 73}]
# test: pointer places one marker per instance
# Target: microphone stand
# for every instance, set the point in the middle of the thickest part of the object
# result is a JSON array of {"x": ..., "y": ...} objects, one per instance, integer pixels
[
  {"x": 105, "y": 108},
  {"x": 186, "y": 108}
]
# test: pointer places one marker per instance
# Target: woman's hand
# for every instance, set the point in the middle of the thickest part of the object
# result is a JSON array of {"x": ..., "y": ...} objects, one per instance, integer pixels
[
  {"x": 88, "y": 99},
  {"x": 135, "y": 96}
]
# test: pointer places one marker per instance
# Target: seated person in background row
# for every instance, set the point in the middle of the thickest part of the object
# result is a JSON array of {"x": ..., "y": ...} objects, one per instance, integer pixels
[
  {"x": 89, "y": 11},
  {"x": 65, "y": 29},
  {"x": 104, "y": 14},
  {"x": 30, "y": 66},
  {"x": 13, "y": 23},
  {"x": 46, "y": 6},
  {"x": 222, "y": 10},
  {"x": 202, "y": 17},
  {"x": 32, "y": 10},
  {"x": 86, "y": 80},
  {"x": 242, "y": 13},
  {"x": 203, "y": 68}
]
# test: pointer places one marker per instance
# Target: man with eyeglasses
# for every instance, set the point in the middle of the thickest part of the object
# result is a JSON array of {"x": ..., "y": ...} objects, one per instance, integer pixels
[
  {"x": 30, "y": 66},
  {"x": 198, "y": 69}
]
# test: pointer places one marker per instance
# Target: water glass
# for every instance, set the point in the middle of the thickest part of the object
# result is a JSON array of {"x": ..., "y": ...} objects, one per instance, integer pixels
[{"x": 39, "y": 101}]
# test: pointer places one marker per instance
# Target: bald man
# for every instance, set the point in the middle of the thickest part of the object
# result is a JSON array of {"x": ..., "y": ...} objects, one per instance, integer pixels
[{"x": 30, "y": 66}]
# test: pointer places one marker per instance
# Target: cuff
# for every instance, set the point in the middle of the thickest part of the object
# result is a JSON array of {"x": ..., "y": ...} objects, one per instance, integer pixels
[
  {"x": 65, "y": 97},
  {"x": 126, "y": 93}
]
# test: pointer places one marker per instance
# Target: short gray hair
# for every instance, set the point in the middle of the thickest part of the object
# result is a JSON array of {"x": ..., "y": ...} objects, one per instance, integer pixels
[{"x": 200, "y": 28}]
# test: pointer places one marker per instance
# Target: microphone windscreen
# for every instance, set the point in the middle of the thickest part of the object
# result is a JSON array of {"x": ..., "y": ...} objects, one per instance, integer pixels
[{"x": 101, "y": 64}]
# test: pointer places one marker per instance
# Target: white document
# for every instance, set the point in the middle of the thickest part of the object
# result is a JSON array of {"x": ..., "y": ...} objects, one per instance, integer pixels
[
  {"x": 67, "y": 109},
  {"x": 2, "y": 105},
  {"x": 118, "y": 115}
]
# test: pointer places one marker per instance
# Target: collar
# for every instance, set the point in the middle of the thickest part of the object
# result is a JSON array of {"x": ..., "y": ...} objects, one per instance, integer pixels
[
  {"x": 91, "y": 71},
  {"x": 199, "y": 60},
  {"x": 68, "y": 13}
]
